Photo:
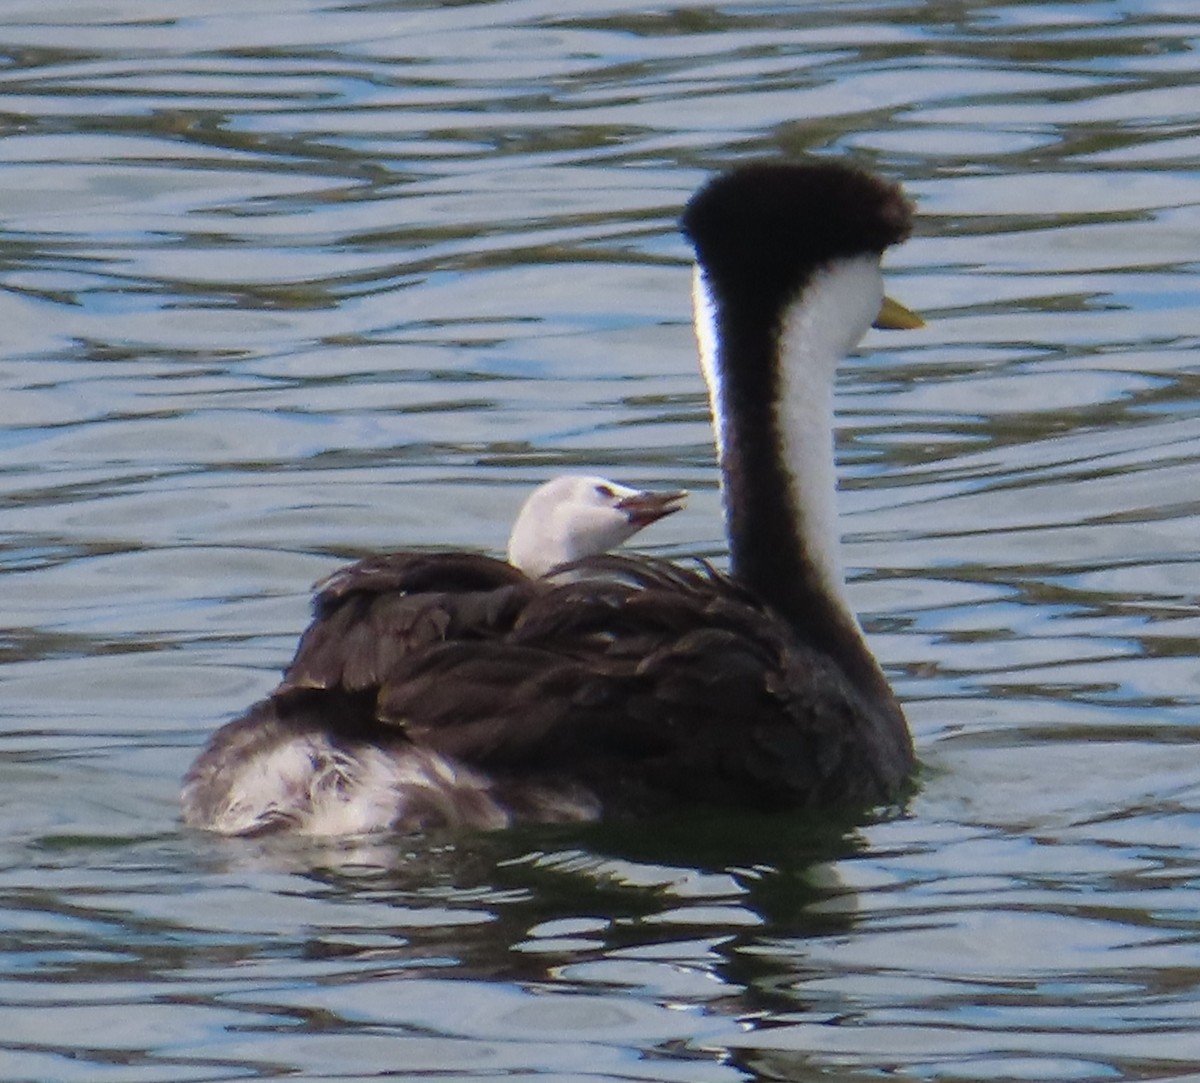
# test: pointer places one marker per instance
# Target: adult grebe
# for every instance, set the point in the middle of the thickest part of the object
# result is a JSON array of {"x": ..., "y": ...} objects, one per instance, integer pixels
[{"x": 460, "y": 691}]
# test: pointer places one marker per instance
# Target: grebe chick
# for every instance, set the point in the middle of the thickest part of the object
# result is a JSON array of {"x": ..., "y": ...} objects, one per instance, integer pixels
[{"x": 572, "y": 516}]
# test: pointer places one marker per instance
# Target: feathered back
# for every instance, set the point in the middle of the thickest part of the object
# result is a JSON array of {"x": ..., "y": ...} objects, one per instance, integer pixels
[{"x": 641, "y": 681}]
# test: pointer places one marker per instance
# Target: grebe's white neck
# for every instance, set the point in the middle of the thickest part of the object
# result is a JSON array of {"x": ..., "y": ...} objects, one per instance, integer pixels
[{"x": 816, "y": 331}]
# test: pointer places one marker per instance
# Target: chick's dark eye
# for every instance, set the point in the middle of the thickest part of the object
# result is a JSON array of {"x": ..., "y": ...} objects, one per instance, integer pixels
[{"x": 605, "y": 491}]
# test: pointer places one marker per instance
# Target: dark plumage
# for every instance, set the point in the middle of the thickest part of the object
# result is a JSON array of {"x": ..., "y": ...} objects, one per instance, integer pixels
[
  {"x": 454, "y": 689},
  {"x": 568, "y": 698}
]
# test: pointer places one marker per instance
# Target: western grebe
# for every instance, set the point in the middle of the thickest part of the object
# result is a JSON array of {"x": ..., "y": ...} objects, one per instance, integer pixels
[{"x": 458, "y": 690}]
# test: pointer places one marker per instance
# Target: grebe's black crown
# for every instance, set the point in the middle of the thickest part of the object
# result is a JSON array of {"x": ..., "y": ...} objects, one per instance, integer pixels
[{"x": 762, "y": 230}]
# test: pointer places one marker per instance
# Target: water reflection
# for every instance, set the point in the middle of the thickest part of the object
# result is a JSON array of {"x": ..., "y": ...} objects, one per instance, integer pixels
[{"x": 283, "y": 286}]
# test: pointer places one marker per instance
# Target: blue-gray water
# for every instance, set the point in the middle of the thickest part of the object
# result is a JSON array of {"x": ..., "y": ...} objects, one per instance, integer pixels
[{"x": 282, "y": 283}]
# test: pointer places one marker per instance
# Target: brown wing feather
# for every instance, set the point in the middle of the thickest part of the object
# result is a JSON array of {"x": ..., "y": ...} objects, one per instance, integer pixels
[
  {"x": 372, "y": 614},
  {"x": 646, "y": 683}
]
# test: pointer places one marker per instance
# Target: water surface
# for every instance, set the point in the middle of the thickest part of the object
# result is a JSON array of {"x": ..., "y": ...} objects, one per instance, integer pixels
[{"x": 288, "y": 283}]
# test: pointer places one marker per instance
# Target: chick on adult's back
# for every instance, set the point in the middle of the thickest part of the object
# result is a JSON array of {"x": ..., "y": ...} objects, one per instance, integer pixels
[{"x": 316, "y": 756}]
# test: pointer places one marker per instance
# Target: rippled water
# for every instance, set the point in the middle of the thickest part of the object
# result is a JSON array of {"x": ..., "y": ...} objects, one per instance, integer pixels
[{"x": 288, "y": 282}]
